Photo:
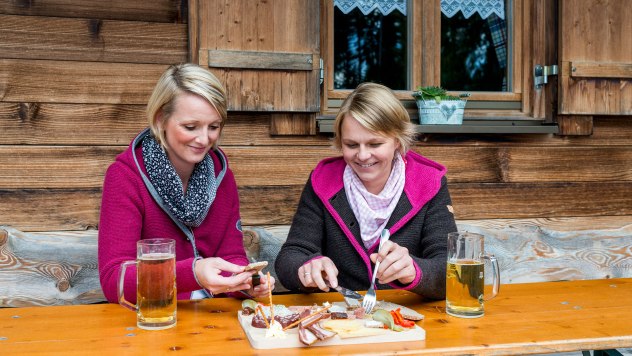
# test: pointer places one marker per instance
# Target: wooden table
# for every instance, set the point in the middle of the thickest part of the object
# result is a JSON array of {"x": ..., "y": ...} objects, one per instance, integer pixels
[{"x": 523, "y": 319}]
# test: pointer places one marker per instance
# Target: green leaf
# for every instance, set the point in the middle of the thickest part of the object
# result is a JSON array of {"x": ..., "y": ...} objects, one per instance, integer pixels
[{"x": 436, "y": 93}]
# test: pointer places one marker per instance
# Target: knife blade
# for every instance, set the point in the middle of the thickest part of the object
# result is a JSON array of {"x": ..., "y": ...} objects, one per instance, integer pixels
[
  {"x": 352, "y": 298},
  {"x": 347, "y": 293}
]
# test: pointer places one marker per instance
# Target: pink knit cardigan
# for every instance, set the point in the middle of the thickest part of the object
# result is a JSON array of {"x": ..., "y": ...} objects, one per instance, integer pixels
[{"x": 129, "y": 213}]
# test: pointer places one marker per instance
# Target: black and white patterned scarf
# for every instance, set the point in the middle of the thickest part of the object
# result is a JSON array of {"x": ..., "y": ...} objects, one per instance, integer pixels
[{"x": 190, "y": 208}]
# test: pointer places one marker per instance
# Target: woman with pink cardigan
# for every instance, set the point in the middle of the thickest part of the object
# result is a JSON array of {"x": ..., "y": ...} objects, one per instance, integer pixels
[{"x": 174, "y": 182}]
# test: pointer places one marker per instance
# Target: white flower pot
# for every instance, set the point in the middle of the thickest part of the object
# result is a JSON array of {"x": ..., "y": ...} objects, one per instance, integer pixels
[{"x": 447, "y": 112}]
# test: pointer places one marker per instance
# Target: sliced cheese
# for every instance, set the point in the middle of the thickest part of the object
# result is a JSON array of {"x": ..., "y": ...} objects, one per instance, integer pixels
[{"x": 348, "y": 328}]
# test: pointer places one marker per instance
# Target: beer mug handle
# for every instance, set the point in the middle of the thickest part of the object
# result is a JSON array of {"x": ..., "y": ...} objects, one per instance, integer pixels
[
  {"x": 121, "y": 281},
  {"x": 496, "y": 273}
]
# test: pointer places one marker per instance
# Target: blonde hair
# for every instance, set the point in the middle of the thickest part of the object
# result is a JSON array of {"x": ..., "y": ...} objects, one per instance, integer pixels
[
  {"x": 377, "y": 109},
  {"x": 178, "y": 79}
]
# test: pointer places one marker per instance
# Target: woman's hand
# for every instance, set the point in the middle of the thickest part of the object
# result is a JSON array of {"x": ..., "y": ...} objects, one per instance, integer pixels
[
  {"x": 208, "y": 272},
  {"x": 318, "y": 272},
  {"x": 263, "y": 289},
  {"x": 396, "y": 264}
]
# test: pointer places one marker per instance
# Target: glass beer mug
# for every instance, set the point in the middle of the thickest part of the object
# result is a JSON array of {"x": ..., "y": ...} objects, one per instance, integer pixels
[
  {"x": 156, "y": 298},
  {"x": 465, "y": 278}
]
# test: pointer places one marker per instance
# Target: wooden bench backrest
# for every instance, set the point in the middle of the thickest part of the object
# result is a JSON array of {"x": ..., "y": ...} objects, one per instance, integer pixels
[
  {"x": 54, "y": 268},
  {"x": 539, "y": 250},
  {"x": 58, "y": 268}
]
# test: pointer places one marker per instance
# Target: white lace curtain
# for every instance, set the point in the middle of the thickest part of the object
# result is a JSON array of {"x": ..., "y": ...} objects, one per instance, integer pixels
[
  {"x": 448, "y": 7},
  {"x": 485, "y": 8},
  {"x": 368, "y": 6}
]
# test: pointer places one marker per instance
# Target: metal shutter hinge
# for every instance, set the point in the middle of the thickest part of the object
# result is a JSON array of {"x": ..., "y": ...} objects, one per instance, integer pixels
[
  {"x": 322, "y": 71},
  {"x": 541, "y": 74}
]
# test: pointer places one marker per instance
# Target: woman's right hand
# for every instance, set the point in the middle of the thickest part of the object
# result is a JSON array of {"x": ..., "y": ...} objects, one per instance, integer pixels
[
  {"x": 208, "y": 272},
  {"x": 318, "y": 273}
]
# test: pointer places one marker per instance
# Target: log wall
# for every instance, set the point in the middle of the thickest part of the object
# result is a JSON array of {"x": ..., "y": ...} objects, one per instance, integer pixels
[
  {"x": 75, "y": 75},
  {"x": 74, "y": 80}
]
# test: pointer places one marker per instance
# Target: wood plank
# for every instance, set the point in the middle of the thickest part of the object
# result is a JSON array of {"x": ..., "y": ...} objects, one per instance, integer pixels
[
  {"x": 601, "y": 70},
  {"x": 575, "y": 125},
  {"x": 568, "y": 164},
  {"x": 268, "y": 205},
  {"x": 65, "y": 124},
  {"x": 78, "y": 209},
  {"x": 261, "y": 60},
  {"x": 592, "y": 32},
  {"x": 327, "y": 54},
  {"x": 271, "y": 26},
  {"x": 292, "y": 124},
  {"x": 588, "y": 96},
  {"x": 171, "y": 11},
  {"x": 532, "y": 200},
  {"x": 524, "y": 319},
  {"x": 77, "y": 82},
  {"x": 483, "y": 165},
  {"x": 540, "y": 34},
  {"x": 70, "y": 124},
  {"x": 431, "y": 43},
  {"x": 194, "y": 35},
  {"x": 53, "y": 38},
  {"x": 541, "y": 250},
  {"x": 55, "y": 167},
  {"x": 50, "y": 209},
  {"x": 84, "y": 166},
  {"x": 255, "y": 96},
  {"x": 52, "y": 268}
]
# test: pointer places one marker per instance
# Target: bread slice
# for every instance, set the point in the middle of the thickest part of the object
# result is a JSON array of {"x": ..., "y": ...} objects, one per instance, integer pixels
[{"x": 256, "y": 267}]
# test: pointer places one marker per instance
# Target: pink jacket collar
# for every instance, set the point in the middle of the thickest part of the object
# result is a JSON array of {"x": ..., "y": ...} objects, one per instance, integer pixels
[{"x": 423, "y": 178}]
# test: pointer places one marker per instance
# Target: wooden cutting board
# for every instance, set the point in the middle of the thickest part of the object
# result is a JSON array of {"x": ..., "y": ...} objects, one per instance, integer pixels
[{"x": 258, "y": 340}]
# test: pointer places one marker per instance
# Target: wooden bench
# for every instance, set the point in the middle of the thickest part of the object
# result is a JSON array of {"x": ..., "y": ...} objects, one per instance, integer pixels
[{"x": 57, "y": 268}]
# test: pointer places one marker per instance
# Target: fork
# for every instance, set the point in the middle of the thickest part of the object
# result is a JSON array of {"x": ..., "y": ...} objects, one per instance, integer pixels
[{"x": 368, "y": 303}]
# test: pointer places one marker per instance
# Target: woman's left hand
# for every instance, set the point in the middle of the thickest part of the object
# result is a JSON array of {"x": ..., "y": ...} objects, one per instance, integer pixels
[
  {"x": 396, "y": 264},
  {"x": 263, "y": 289}
]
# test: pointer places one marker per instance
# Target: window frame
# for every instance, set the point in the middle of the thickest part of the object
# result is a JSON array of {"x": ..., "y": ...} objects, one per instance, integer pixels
[{"x": 425, "y": 62}]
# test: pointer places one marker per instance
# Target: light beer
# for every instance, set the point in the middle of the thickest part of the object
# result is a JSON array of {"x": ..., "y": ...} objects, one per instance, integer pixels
[
  {"x": 465, "y": 281},
  {"x": 156, "y": 291}
]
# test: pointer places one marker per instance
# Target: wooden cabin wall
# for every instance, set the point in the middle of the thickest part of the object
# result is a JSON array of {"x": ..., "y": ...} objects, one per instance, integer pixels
[{"x": 75, "y": 75}]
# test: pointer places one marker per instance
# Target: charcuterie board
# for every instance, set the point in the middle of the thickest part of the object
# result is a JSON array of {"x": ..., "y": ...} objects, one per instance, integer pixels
[{"x": 257, "y": 338}]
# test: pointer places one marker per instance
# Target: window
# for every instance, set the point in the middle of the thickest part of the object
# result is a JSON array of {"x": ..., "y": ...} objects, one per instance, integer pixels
[
  {"x": 370, "y": 44},
  {"x": 474, "y": 46}
]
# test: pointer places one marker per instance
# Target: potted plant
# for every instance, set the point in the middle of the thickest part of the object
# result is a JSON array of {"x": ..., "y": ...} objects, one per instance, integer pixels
[{"x": 437, "y": 107}]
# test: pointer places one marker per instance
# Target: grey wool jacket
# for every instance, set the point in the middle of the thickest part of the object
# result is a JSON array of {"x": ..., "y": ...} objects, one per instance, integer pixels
[{"x": 325, "y": 225}]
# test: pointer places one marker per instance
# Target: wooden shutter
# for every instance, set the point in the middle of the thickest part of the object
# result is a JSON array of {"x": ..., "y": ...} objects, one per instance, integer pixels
[
  {"x": 266, "y": 52},
  {"x": 595, "y": 59},
  {"x": 539, "y": 102}
]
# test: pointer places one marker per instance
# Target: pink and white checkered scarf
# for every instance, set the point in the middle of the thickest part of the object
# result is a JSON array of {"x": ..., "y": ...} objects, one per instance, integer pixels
[{"x": 373, "y": 211}]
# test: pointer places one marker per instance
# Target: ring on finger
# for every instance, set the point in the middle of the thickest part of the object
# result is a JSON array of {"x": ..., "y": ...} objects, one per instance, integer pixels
[{"x": 306, "y": 273}]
